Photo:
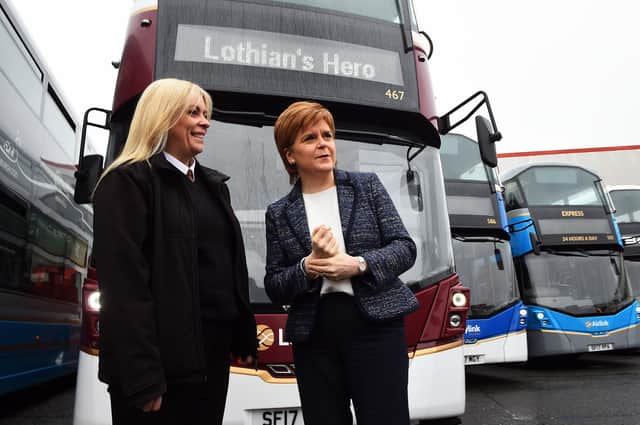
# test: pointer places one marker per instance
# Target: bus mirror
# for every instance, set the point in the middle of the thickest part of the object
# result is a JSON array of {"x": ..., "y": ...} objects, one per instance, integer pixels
[
  {"x": 415, "y": 190},
  {"x": 486, "y": 140},
  {"x": 87, "y": 177}
]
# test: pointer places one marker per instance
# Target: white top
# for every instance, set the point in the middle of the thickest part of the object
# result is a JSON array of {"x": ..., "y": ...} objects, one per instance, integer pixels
[
  {"x": 180, "y": 165},
  {"x": 322, "y": 208}
]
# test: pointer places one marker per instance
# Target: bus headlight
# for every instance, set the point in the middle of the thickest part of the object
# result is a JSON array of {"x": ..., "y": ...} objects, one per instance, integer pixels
[
  {"x": 540, "y": 315},
  {"x": 638, "y": 309},
  {"x": 459, "y": 299},
  {"x": 93, "y": 301},
  {"x": 523, "y": 312},
  {"x": 455, "y": 320}
]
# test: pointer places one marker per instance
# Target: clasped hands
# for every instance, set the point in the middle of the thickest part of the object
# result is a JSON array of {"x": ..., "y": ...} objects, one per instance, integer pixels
[{"x": 326, "y": 260}]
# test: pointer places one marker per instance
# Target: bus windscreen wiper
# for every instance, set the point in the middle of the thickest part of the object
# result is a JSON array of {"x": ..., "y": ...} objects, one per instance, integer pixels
[
  {"x": 580, "y": 253},
  {"x": 252, "y": 118},
  {"x": 474, "y": 239},
  {"x": 375, "y": 137}
]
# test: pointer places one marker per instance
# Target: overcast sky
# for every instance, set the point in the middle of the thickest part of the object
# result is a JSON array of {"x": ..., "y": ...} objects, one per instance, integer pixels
[{"x": 560, "y": 74}]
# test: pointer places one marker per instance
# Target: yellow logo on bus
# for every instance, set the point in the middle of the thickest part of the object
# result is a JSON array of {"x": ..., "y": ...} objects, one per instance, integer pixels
[{"x": 265, "y": 336}]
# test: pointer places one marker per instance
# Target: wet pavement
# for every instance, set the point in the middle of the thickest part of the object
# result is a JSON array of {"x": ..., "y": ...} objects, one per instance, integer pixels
[{"x": 602, "y": 389}]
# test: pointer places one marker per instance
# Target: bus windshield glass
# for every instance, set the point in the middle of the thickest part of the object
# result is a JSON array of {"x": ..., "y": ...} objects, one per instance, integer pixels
[
  {"x": 558, "y": 186},
  {"x": 487, "y": 268},
  {"x": 386, "y": 10},
  {"x": 461, "y": 159},
  {"x": 633, "y": 270},
  {"x": 577, "y": 283},
  {"x": 627, "y": 203},
  {"x": 249, "y": 155}
]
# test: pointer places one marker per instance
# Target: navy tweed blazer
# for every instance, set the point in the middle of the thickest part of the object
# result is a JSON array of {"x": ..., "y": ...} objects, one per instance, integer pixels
[{"x": 371, "y": 228}]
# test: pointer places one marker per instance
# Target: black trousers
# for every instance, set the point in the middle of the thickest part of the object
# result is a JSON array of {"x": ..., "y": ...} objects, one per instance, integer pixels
[
  {"x": 188, "y": 403},
  {"x": 350, "y": 358}
]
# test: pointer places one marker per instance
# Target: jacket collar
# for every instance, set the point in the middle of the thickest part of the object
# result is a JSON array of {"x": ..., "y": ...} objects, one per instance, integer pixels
[
  {"x": 297, "y": 215},
  {"x": 210, "y": 175}
]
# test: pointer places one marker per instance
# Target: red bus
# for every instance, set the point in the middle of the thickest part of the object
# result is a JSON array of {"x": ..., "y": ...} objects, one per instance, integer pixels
[{"x": 367, "y": 62}]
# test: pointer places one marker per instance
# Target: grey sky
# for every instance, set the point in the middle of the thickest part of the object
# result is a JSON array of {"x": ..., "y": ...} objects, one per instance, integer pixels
[{"x": 560, "y": 74}]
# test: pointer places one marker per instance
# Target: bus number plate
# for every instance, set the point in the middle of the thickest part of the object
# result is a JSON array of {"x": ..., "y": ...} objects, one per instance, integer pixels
[
  {"x": 277, "y": 417},
  {"x": 606, "y": 346},
  {"x": 473, "y": 359}
]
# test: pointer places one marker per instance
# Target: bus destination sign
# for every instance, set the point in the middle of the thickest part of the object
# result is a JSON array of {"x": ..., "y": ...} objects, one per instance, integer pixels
[
  {"x": 289, "y": 52},
  {"x": 244, "y": 47}
]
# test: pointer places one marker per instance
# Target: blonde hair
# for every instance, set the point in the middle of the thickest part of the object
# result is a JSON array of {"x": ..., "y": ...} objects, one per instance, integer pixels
[
  {"x": 160, "y": 107},
  {"x": 291, "y": 122}
]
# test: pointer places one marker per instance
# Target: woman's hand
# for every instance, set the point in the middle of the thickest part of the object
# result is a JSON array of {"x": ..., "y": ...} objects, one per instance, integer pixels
[
  {"x": 152, "y": 405},
  {"x": 338, "y": 267},
  {"x": 323, "y": 243}
]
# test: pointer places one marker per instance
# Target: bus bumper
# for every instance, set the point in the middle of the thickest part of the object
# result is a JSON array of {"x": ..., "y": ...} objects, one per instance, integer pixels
[
  {"x": 437, "y": 383},
  {"x": 92, "y": 404},
  {"x": 552, "y": 342}
]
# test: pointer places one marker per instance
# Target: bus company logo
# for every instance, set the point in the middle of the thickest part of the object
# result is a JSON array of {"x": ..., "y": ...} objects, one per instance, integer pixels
[
  {"x": 596, "y": 323},
  {"x": 265, "y": 336},
  {"x": 9, "y": 150},
  {"x": 472, "y": 329},
  {"x": 572, "y": 213}
]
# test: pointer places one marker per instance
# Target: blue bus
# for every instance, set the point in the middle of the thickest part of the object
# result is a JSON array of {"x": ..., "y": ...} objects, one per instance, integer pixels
[
  {"x": 44, "y": 235},
  {"x": 496, "y": 324},
  {"x": 627, "y": 202},
  {"x": 568, "y": 256}
]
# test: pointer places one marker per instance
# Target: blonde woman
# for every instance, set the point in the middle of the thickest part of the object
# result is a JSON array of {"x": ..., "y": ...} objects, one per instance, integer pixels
[{"x": 171, "y": 267}]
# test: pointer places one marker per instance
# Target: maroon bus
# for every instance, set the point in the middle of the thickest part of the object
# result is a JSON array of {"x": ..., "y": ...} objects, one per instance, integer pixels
[{"x": 367, "y": 62}]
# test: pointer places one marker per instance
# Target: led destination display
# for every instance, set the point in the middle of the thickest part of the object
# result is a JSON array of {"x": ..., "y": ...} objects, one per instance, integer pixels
[{"x": 288, "y": 51}]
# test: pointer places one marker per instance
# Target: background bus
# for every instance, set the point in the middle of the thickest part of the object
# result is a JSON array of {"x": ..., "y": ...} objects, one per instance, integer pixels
[
  {"x": 568, "y": 256},
  {"x": 627, "y": 202},
  {"x": 614, "y": 164},
  {"x": 368, "y": 64},
  {"x": 496, "y": 325},
  {"x": 44, "y": 236}
]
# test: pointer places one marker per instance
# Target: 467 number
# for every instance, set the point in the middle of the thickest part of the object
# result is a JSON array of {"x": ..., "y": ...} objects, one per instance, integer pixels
[{"x": 394, "y": 94}]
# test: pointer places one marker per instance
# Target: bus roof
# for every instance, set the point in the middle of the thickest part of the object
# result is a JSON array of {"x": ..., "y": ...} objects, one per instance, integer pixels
[{"x": 516, "y": 171}]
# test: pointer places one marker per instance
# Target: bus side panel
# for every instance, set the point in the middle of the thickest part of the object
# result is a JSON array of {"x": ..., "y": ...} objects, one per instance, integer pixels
[
  {"x": 35, "y": 352},
  {"x": 136, "y": 65}
]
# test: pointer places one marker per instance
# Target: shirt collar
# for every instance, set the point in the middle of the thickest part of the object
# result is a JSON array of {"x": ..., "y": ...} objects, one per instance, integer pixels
[{"x": 179, "y": 165}]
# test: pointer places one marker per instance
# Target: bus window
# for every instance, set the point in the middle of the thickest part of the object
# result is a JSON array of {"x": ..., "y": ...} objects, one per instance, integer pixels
[
  {"x": 59, "y": 123},
  {"x": 13, "y": 232},
  {"x": 18, "y": 66},
  {"x": 386, "y": 10},
  {"x": 513, "y": 196}
]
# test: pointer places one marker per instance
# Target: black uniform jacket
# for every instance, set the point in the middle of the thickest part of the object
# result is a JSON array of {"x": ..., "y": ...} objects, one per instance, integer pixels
[{"x": 145, "y": 250}]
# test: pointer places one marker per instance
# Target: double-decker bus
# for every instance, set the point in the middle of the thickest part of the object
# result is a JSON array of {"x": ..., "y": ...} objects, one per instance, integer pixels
[
  {"x": 568, "y": 256},
  {"x": 366, "y": 61},
  {"x": 627, "y": 202},
  {"x": 44, "y": 235},
  {"x": 496, "y": 324}
]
